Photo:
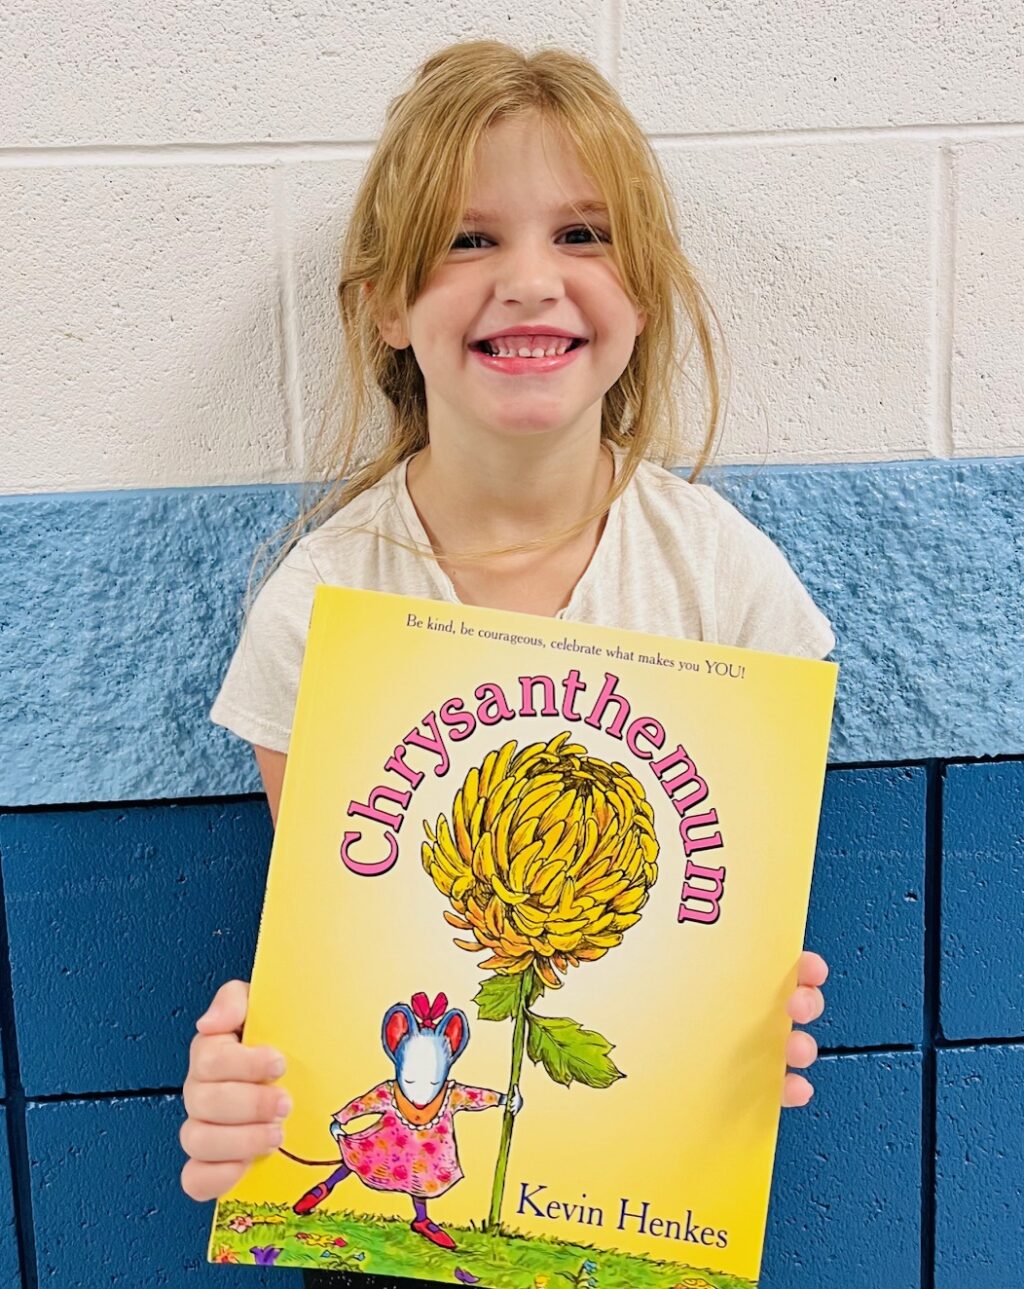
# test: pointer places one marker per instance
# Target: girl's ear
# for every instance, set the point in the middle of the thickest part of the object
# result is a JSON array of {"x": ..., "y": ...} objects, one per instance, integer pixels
[
  {"x": 454, "y": 1026},
  {"x": 390, "y": 326},
  {"x": 399, "y": 1023}
]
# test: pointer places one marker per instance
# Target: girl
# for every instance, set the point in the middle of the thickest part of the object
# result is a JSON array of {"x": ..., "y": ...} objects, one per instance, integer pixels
[{"x": 509, "y": 281}]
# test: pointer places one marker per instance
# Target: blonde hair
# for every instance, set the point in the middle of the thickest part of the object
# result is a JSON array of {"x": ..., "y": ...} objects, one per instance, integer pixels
[{"x": 407, "y": 211}]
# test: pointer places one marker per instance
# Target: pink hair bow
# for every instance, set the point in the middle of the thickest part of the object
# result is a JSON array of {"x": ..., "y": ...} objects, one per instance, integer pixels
[{"x": 428, "y": 1013}]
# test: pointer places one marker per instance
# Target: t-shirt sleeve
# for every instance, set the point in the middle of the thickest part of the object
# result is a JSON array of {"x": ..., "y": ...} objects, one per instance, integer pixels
[
  {"x": 761, "y": 603},
  {"x": 257, "y": 696}
]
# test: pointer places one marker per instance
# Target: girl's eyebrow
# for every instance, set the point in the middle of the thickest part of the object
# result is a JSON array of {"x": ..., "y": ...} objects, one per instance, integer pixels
[{"x": 584, "y": 207}]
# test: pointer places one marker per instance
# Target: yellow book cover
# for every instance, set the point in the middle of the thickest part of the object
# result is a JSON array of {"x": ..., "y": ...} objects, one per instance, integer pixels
[{"x": 554, "y": 876}]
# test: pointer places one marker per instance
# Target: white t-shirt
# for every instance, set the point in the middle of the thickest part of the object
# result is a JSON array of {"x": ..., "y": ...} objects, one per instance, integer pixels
[{"x": 674, "y": 559}]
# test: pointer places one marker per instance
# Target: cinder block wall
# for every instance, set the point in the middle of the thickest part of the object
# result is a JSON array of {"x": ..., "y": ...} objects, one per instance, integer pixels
[{"x": 173, "y": 183}]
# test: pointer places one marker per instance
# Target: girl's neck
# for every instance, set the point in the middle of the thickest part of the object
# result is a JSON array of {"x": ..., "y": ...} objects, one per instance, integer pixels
[
  {"x": 473, "y": 504},
  {"x": 515, "y": 492}
]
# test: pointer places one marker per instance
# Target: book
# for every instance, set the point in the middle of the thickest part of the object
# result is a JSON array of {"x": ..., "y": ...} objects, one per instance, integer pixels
[{"x": 554, "y": 876}]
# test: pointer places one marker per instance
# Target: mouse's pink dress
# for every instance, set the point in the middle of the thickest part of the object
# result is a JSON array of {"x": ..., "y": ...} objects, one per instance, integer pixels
[{"x": 394, "y": 1154}]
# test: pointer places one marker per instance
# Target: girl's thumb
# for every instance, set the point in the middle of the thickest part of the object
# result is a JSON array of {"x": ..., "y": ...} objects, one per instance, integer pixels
[{"x": 227, "y": 1011}]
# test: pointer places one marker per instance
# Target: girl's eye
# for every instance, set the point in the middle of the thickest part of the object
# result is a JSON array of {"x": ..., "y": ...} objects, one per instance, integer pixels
[{"x": 579, "y": 228}]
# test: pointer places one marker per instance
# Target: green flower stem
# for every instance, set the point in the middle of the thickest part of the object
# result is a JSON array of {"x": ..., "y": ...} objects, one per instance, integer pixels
[{"x": 518, "y": 1047}]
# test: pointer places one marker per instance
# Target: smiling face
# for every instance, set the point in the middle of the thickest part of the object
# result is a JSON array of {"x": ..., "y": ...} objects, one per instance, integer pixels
[{"x": 523, "y": 261}]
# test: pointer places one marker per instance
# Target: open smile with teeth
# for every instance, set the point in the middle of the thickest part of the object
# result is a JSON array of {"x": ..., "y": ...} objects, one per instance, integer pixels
[{"x": 537, "y": 346}]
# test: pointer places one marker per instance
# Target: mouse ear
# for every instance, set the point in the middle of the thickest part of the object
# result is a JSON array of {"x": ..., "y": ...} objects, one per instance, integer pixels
[
  {"x": 455, "y": 1028},
  {"x": 398, "y": 1025}
]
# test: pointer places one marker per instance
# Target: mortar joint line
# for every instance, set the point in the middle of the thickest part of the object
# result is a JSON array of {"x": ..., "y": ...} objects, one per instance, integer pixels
[
  {"x": 287, "y": 310},
  {"x": 930, "y": 1018},
  {"x": 943, "y": 279},
  {"x": 291, "y": 151},
  {"x": 610, "y": 42},
  {"x": 14, "y": 1098}
]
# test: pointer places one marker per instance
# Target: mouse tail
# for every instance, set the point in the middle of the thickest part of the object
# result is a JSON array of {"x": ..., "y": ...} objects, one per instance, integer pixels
[{"x": 316, "y": 1163}]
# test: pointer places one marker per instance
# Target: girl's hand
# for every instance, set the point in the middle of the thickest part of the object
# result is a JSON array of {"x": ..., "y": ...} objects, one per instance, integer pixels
[
  {"x": 805, "y": 1004},
  {"x": 233, "y": 1115}
]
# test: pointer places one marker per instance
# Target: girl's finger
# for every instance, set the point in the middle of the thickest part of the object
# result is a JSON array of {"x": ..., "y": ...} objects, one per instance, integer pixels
[
  {"x": 796, "y": 1091},
  {"x": 221, "y": 1058},
  {"x": 805, "y": 1005},
  {"x": 812, "y": 969},
  {"x": 213, "y": 1143},
  {"x": 202, "y": 1181},
  {"x": 226, "y": 1014},
  {"x": 240, "y": 1102},
  {"x": 801, "y": 1049}
]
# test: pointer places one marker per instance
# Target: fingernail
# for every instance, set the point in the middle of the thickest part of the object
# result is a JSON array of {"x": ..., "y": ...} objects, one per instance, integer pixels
[
  {"x": 277, "y": 1067},
  {"x": 284, "y": 1105},
  {"x": 276, "y": 1135}
]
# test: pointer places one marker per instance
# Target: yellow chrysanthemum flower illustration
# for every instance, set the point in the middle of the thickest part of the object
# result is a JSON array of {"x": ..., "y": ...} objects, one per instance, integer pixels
[{"x": 548, "y": 859}]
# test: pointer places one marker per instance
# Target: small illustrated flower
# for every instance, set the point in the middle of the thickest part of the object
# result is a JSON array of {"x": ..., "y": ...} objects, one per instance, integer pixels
[
  {"x": 225, "y": 1254},
  {"x": 589, "y": 1267},
  {"x": 266, "y": 1257},
  {"x": 466, "y": 1277},
  {"x": 241, "y": 1223},
  {"x": 321, "y": 1241},
  {"x": 548, "y": 859}
]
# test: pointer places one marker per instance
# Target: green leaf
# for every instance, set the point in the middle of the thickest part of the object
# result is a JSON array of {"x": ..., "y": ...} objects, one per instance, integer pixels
[
  {"x": 499, "y": 996},
  {"x": 570, "y": 1053}
]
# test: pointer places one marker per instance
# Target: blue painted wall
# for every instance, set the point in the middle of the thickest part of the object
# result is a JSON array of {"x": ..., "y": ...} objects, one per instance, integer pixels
[{"x": 133, "y": 852}]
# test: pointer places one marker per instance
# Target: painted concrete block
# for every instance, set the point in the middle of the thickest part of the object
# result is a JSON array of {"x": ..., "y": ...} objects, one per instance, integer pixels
[
  {"x": 855, "y": 67},
  {"x": 982, "y": 988},
  {"x": 979, "y": 1202},
  {"x": 242, "y": 71},
  {"x": 986, "y": 376},
  {"x": 124, "y": 612},
  {"x": 9, "y": 1272},
  {"x": 123, "y": 923},
  {"x": 319, "y": 197},
  {"x": 108, "y": 1206},
  {"x": 819, "y": 257},
  {"x": 140, "y": 338},
  {"x": 867, "y": 907},
  {"x": 845, "y": 1205},
  {"x": 919, "y": 567}
]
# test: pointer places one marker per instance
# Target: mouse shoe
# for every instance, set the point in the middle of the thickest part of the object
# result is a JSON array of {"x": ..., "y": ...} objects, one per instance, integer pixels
[{"x": 434, "y": 1233}]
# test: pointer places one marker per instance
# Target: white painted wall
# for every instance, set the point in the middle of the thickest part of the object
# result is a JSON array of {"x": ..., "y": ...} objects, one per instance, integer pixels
[{"x": 174, "y": 179}]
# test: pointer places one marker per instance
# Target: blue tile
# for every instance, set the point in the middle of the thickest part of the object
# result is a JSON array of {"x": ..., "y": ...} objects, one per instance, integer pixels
[
  {"x": 108, "y": 1205},
  {"x": 122, "y": 925},
  {"x": 979, "y": 1202},
  {"x": 845, "y": 1206},
  {"x": 982, "y": 989},
  {"x": 121, "y": 615},
  {"x": 8, "y": 1238},
  {"x": 866, "y": 913}
]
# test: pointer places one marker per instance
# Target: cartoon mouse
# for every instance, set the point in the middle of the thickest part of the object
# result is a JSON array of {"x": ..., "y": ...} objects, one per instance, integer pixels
[{"x": 411, "y": 1148}]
